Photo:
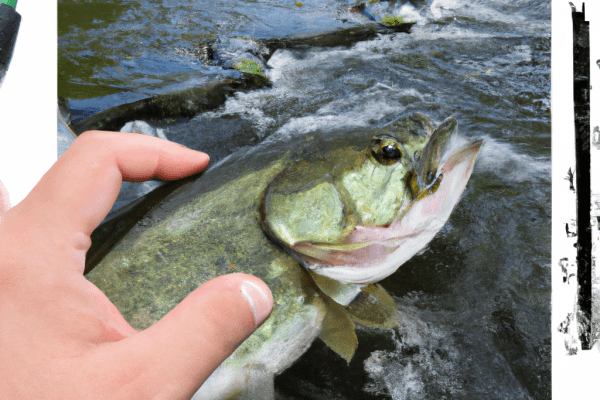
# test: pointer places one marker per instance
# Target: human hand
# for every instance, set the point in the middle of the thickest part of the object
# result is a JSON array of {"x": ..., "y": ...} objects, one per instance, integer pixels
[{"x": 60, "y": 336}]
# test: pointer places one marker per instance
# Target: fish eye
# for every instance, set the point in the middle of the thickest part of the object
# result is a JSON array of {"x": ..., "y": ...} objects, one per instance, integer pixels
[
  {"x": 390, "y": 152},
  {"x": 386, "y": 151}
]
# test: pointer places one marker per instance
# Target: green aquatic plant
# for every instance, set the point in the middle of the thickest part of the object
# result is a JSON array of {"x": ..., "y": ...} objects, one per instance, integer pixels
[
  {"x": 250, "y": 67},
  {"x": 394, "y": 21}
]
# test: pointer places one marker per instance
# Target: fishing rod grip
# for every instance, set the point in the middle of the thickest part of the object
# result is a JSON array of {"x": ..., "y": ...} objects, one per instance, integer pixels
[{"x": 10, "y": 20}]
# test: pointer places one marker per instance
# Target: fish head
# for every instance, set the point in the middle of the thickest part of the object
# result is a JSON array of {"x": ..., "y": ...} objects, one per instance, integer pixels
[{"x": 357, "y": 215}]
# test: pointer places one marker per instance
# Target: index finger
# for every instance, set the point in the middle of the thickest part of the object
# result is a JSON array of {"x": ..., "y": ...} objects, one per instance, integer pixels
[{"x": 79, "y": 190}]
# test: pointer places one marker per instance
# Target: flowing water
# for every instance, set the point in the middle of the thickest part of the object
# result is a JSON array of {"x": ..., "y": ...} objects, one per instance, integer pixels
[{"x": 475, "y": 304}]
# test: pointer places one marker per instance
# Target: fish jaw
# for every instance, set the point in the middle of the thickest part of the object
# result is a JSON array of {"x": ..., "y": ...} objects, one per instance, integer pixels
[{"x": 371, "y": 254}]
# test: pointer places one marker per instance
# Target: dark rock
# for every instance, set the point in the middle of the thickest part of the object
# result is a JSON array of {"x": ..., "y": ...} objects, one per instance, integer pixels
[{"x": 184, "y": 104}]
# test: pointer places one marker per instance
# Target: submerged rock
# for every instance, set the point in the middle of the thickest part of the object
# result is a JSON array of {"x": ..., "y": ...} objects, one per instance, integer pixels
[{"x": 172, "y": 106}]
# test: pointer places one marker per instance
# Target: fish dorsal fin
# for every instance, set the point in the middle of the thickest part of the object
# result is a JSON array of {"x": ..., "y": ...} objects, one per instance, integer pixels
[
  {"x": 374, "y": 307},
  {"x": 338, "y": 330},
  {"x": 341, "y": 292}
]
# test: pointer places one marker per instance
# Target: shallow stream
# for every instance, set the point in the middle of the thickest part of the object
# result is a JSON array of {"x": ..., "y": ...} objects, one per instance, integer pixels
[{"x": 476, "y": 301}]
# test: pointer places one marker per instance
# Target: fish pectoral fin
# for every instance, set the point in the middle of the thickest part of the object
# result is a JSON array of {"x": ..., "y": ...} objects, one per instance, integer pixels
[
  {"x": 338, "y": 330},
  {"x": 341, "y": 292},
  {"x": 374, "y": 307}
]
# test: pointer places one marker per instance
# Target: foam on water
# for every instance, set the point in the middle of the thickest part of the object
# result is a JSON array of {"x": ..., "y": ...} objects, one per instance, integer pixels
[
  {"x": 406, "y": 10},
  {"x": 248, "y": 106},
  {"x": 372, "y": 103},
  {"x": 424, "y": 353},
  {"x": 501, "y": 11},
  {"x": 326, "y": 120},
  {"x": 143, "y": 128},
  {"x": 377, "y": 101},
  {"x": 501, "y": 159},
  {"x": 284, "y": 64},
  {"x": 439, "y": 8}
]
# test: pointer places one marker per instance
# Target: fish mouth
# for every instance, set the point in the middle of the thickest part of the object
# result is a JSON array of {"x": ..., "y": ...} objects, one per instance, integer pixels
[
  {"x": 370, "y": 254},
  {"x": 437, "y": 176}
]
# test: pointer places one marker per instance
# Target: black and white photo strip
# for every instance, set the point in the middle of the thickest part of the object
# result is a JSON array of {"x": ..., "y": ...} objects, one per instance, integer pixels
[
  {"x": 575, "y": 235},
  {"x": 29, "y": 113}
]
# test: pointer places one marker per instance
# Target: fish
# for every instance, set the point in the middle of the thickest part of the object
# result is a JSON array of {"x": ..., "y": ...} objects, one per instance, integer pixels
[{"x": 320, "y": 219}]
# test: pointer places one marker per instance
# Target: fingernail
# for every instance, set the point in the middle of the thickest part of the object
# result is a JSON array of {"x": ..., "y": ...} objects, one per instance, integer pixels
[{"x": 260, "y": 302}]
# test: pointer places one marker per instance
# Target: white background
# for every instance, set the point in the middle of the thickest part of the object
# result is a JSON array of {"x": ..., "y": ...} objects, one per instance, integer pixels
[
  {"x": 28, "y": 101},
  {"x": 28, "y": 145}
]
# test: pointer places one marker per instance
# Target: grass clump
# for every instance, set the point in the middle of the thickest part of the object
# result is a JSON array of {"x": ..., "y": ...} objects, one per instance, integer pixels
[{"x": 250, "y": 67}]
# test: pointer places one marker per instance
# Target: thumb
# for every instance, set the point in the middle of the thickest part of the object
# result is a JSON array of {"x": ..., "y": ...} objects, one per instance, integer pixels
[{"x": 179, "y": 352}]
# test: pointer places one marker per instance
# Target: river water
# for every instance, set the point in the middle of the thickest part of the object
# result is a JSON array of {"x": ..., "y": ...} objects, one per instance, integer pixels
[{"x": 475, "y": 304}]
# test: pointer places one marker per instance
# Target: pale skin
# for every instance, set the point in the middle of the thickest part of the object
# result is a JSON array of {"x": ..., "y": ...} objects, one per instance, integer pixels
[{"x": 60, "y": 336}]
